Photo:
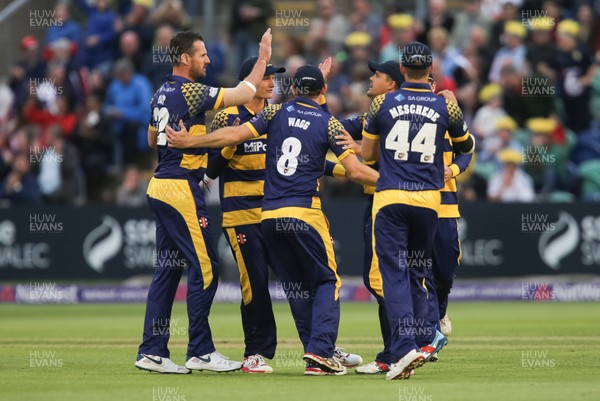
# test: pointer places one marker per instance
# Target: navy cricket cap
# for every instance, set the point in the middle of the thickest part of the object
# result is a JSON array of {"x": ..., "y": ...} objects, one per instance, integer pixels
[
  {"x": 391, "y": 68},
  {"x": 416, "y": 56},
  {"x": 309, "y": 77},
  {"x": 248, "y": 65}
]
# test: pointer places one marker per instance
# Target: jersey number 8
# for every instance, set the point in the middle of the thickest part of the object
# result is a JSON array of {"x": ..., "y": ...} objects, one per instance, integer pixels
[
  {"x": 423, "y": 142},
  {"x": 288, "y": 161}
]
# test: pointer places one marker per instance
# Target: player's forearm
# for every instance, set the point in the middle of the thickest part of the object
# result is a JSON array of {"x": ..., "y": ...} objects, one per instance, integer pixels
[
  {"x": 258, "y": 72},
  {"x": 239, "y": 95},
  {"x": 363, "y": 174},
  {"x": 462, "y": 161},
  {"x": 227, "y": 136}
]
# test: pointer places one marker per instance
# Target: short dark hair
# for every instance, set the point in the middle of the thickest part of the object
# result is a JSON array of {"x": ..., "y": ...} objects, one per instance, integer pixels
[
  {"x": 183, "y": 42},
  {"x": 412, "y": 73}
]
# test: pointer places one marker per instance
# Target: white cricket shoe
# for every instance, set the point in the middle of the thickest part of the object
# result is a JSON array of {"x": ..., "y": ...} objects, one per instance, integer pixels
[
  {"x": 446, "y": 325},
  {"x": 214, "y": 362},
  {"x": 256, "y": 364},
  {"x": 346, "y": 359},
  {"x": 404, "y": 368},
  {"x": 373, "y": 368},
  {"x": 153, "y": 363}
]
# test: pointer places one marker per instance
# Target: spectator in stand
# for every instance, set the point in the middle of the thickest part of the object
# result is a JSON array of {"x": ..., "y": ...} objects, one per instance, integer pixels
[
  {"x": 137, "y": 20},
  {"x": 488, "y": 115},
  {"x": 479, "y": 54},
  {"x": 98, "y": 47},
  {"x": 511, "y": 184},
  {"x": 363, "y": 20},
  {"x": 64, "y": 117},
  {"x": 157, "y": 62},
  {"x": 132, "y": 192},
  {"x": 26, "y": 70},
  {"x": 541, "y": 51},
  {"x": 129, "y": 48},
  {"x": 329, "y": 25},
  {"x": 94, "y": 140},
  {"x": 509, "y": 12},
  {"x": 171, "y": 12},
  {"x": 512, "y": 53},
  {"x": 67, "y": 29},
  {"x": 358, "y": 45},
  {"x": 545, "y": 159},
  {"x": 574, "y": 72},
  {"x": 59, "y": 169},
  {"x": 442, "y": 81},
  {"x": 585, "y": 19},
  {"x": 403, "y": 32},
  {"x": 464, "y": 22},
  {"x": 247, "y": 24},
  {"x": 20, "y": 186},
  {"x": 503, "y": 138},
  {"x": 437, "y": 16},
  {"x": 516, "y": 101},
  {"x": 126, "y": 106},
  {"x": 451, "y": 59}
]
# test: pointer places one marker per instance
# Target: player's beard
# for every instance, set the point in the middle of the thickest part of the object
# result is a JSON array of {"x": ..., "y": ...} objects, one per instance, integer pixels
[{"x": 197, "y": 72}]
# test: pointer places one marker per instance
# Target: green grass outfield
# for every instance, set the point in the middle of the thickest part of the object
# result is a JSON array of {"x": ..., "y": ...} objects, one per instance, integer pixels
[{"x": 498, "y": 351}]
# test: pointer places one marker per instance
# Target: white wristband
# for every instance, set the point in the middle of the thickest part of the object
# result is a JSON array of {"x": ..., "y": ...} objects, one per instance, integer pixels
[{"x": 251, "y": 86}]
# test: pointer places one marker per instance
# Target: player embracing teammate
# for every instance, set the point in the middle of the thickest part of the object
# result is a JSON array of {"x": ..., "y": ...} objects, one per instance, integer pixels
[{"x": 405, "y": 132}]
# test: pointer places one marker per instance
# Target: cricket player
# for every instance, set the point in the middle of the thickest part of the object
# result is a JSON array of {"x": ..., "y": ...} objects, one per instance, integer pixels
[
  {"x": 404, "y": 131},
  {"x": 300, "y": 249},
  {"x": 177, "y": 203},
  {"x": 386, "y": 78}
]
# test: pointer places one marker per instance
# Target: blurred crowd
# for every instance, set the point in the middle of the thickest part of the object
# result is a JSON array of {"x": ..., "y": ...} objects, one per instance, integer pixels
[{"x": 74, "y": 105}]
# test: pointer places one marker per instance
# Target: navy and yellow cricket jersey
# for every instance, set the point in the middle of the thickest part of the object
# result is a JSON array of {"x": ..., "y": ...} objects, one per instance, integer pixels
[
  {"x": 458, "y": 163},
  {"x": 299, "y": 133},
  {"x": 241, "y": 171},
  {"x": 411, "y": 123},
  {"x": 181, "y": 99}
]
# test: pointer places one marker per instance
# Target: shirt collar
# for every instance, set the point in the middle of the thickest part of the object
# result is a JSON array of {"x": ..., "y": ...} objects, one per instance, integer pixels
[
  {"x": 310, "y": 102},
  {"x": 416, "y": 85}
]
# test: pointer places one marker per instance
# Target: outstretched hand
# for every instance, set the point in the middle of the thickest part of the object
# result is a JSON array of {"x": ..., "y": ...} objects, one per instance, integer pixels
[
  {"x": 264, "y": 50},
  {"x": 325, "y": 67}
]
